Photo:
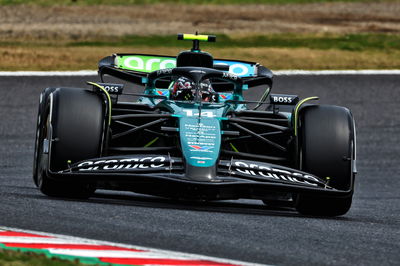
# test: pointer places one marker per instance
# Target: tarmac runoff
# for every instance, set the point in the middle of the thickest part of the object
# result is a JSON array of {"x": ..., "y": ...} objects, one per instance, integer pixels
[{"x": 240, "y": 230}]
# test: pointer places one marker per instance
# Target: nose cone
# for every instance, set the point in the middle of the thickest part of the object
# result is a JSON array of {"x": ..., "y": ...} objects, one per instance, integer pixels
[
  {"x": 201, "y": 141},
  {"x": 197, "y": 173}
]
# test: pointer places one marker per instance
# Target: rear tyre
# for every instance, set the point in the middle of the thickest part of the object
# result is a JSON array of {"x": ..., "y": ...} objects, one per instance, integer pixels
[
  {"x": 327, "y": 141},
  {"x": 72, "y": 130}
]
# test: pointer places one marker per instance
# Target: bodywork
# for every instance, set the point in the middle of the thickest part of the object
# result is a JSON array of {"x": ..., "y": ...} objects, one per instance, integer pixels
[{"x": 191, "y": 149}]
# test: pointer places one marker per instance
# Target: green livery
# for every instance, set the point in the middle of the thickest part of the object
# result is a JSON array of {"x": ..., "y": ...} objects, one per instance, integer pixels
[
  {"x": 181, "y": 127},
  {"x": 145, "y": 63},
  {"x": 149, "y": 63}
]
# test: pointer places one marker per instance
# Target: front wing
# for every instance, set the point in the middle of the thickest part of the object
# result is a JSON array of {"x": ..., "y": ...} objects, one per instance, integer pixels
[{"x": 164, "y": 175}]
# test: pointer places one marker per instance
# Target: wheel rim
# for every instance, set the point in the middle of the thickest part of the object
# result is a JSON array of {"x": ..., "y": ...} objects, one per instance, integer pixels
[{"x": 42, "y": 157}]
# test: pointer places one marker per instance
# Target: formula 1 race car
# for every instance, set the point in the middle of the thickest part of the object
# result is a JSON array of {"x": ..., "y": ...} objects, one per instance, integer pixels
[{"x": 190, "y": 134}]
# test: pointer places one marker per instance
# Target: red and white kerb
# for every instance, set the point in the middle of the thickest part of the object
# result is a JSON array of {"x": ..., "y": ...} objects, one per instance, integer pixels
[{"x": 102, "y": 253}]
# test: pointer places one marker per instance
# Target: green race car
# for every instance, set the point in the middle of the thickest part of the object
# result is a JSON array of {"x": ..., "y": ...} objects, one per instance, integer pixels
[{"x": 191, "y": 134}]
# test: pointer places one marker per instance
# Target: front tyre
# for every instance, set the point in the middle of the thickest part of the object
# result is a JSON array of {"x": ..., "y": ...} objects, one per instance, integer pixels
[
  {"x": 44, "y": 95},
  {"x": 327, "y": 150},
  {"x": 72, "y": 130}
]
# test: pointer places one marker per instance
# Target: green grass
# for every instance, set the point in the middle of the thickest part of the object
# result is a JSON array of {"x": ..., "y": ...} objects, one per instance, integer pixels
[
  {"x": 348, "y": 42},
  {"x": 130, "y": 2},
  {"x": 14, "y": 258},
  {"x": 278, "y": 51}
]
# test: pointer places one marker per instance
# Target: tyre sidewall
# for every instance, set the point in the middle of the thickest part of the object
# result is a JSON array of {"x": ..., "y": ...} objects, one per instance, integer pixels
[
  {"x": 75, "y": 133},
  {"x": 327, "y": 149},
  {"x": 327, "y": 144},
  {"x": 77, "y": 127},
  {"x": 43, "y": 100}
]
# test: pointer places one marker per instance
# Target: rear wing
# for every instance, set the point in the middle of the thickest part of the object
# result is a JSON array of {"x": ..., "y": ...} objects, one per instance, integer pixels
[{"x": 132, "y": 67}]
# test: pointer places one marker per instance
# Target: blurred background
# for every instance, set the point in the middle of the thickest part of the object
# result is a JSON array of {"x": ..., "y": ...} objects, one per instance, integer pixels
[{"x": 280, "y": 34}]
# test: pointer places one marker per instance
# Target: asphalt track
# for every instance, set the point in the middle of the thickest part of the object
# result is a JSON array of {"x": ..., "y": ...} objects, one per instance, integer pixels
[{"x": 242, "y": 230}]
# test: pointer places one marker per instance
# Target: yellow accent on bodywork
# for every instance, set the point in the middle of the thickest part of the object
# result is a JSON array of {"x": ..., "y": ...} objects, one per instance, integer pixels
[
  {"x": 233, "y": 147},
  {"x": 296, "y": 111},
  {"x": 151, "y": 142},
  {"x": 108, "y": 98},
  {"x": 195, "y": 37}
]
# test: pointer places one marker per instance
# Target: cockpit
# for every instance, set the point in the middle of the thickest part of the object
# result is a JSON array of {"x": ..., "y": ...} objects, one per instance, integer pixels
[{"x": 183, "y": 85}]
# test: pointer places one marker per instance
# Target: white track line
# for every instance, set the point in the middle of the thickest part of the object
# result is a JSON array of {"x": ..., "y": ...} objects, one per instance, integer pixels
[
  {"x": 336, "y": 72},
  {"x": 36, "y": 240},
  {"x": 111, "y": 254},
  {"x": 47, "y": 73},
  {"x": 277, "y": 73},
  {"x": 150, "y": 251}
]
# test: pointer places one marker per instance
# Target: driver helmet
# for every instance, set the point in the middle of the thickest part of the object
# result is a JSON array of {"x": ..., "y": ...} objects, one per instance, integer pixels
[
  {"x": 207, "y": 92},
  {"x": 183, "y": 89}
]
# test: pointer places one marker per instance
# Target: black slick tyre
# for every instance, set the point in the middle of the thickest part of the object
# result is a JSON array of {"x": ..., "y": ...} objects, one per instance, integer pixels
[
  {"x": 327, "y": 150},
  {"x": 71, "y": 130},
  {"x": 44, "y": 95}
]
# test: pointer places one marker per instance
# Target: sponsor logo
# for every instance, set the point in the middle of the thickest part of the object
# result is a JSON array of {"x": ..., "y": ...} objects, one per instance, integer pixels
[
  {"x": 284, "y": 99},
  {"x": 146, "y": 63},
  {"x": 112, "y": 88},
  {"x": 201, "y": 148},
  {"x": 126, "y": 163},
  {"x": 162, "y": 92},
  {"x": 152, "y": 63},
  {"x": 238, "y": 68},
  {"x": 197, "y": 71},
  {"x": 164, "y": 71},
  {"x": 229, "y": 76},
  {"x": 225, "y": 96},
  {"x": 200, "y": 158},
  {"x": 274, "y": 173}
]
